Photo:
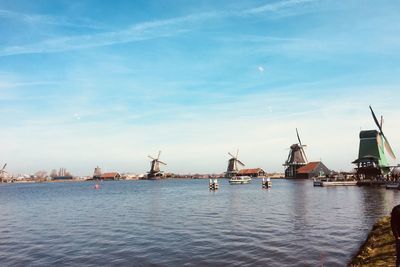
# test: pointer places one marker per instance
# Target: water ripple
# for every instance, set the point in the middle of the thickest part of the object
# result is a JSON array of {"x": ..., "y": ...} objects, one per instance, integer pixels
[{"x": 182, "y": 223}]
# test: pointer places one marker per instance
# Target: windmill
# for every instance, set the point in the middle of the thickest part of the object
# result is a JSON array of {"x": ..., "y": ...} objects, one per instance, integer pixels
[
  {"x": 155, "y": 172},
  {"x": 233, "y": 165},
  {"x": 296, "y": 158},
  {"x": 3, "y": 173},
  {"x": 372, "y": 161}
]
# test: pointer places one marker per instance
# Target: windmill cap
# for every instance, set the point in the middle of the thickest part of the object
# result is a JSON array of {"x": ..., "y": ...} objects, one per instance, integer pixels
[
  {"x": 369, "y": 134},
  {"x": 294, "y": 146}
]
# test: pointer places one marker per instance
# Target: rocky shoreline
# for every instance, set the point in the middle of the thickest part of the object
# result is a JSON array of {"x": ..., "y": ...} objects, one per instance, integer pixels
[{"x": 379, "y": 247}]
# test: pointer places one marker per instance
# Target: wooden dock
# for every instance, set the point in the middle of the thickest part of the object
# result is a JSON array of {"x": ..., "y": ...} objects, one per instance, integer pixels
[{"x": 334, "y": 183}]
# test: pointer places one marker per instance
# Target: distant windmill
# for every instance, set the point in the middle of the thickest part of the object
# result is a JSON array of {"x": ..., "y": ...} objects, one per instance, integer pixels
[
  {"x": 3, "y": 173},
  {"x": 155, "y": 172},
  {"x": 296, "y": 158},
  {"x": 372, "y": 161},
  {"x": 233, "y": 165}
]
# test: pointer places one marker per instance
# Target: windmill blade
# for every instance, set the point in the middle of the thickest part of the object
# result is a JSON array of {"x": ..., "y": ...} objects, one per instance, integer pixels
[
  {"x": 237, "y": 153},
  {"x": 241, "y": 163},
  {"x": 298, "y": 136},
  {"x": 159, "y": 153},
  {"x": 379, "y": 140},
  {"x": 381, "y": 122},
  {"x": 304, "y": 153},
  {"x": 231, "y": 155},
  {"x": 387, "y": 145},
  {"x": 4, "y": 166},
  {"x": 288, "y": 158},
  {"x": 151, "y": 157},
  {"x": 375, "y": 119},
  {"x": 159, "y": 161},
  {"x": 389, "y": 148}
]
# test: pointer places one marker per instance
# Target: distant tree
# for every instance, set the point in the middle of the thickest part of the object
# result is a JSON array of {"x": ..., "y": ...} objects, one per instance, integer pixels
[
  {"x": 41, "y": 174},
  {"x": 53, "y": 173}
]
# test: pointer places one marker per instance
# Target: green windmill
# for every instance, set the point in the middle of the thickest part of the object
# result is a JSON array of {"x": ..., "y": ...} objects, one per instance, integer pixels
[{"x": 374, "y": 146}]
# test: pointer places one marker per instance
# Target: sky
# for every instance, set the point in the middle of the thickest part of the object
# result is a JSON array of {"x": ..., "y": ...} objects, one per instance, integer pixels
[{"x": 87, "y": 83}]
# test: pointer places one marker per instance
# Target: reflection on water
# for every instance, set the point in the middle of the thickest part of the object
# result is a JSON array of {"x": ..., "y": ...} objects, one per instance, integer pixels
[{"x": 180, "y": 222}]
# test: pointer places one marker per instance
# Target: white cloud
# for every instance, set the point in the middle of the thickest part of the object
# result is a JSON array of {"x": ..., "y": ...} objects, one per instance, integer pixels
[
  {"x": 133, "y": 33},
  {"x": 277, "y": 6},
  {"x": 52, "y": 20}
]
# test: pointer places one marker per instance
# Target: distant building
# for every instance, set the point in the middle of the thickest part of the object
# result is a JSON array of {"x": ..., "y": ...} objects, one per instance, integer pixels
[
  {"x": 62, "y": 175},
  {"x": 256, "y": 172},
  {"x": 62, "y": 178},
  {"x": 312, "y": 170},
  {"x": 110, "y": 176},
  {"x": 130, "y": 176}
]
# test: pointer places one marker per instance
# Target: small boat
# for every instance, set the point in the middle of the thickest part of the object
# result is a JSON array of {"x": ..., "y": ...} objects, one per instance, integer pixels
[
  {"x": 319, "y": 181},
  {"x": 240, "y": 180}
]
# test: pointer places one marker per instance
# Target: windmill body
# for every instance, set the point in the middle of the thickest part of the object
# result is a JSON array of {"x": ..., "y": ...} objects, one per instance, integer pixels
[
  {"x": 3, "y": 174},
  {"x": 234, "y": 165},
  {"x": 155, "y": 172},
  {"x": 372, "y": 161},
  {"x": 296, "y": 159}
]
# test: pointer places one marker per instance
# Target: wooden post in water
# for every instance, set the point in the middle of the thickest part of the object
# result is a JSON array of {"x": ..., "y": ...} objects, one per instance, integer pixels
[
  {"x": 213, "y": 184},
  {"x": 266, "y": 183}
]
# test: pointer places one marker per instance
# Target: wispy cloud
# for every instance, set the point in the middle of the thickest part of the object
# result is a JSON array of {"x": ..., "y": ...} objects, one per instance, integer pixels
[
  {"x": 277, "y": 6},
  {"x": 51, "y": 20},
  {"x": 137, "y": 32}
]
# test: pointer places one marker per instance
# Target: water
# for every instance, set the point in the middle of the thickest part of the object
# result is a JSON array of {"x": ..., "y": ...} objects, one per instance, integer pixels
[{"x": 180, "y": 222}]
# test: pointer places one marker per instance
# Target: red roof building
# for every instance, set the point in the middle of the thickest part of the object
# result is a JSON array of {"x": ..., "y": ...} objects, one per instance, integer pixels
[
  {"x": 110, "y": 176},
  {"x": 312, "y": 169}
]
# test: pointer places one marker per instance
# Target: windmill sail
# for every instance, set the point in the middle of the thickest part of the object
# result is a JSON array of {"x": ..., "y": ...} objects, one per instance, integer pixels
[
  {"x": 298, "y": 136},
  {"x": 389, "y": 148},
  {"x": 379, "y": 125}
]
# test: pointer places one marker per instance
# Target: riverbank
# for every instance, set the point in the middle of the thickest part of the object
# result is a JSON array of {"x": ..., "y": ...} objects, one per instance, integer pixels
[{"x": 379, "y": 248}]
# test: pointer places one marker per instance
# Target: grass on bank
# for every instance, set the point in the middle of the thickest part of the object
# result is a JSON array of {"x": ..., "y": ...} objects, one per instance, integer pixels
[{"x": 379, "y": 248}]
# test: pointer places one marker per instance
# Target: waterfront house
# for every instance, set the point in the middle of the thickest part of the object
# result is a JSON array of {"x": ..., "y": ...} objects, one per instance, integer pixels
[
  {"x": 256, "y": 172},
  {"x": 110, "y": 176},
  {"x": 312, "y": 170}
]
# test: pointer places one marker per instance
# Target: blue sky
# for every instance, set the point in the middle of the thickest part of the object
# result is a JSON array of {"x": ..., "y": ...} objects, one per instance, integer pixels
[{"x": 108, "y": 82}]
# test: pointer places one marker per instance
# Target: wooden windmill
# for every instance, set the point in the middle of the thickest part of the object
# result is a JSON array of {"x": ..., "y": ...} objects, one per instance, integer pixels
[
  {"x": 372, "y": 161},
  {"x": 234, "y": 165},
  {"x": 3, "y": 173},
  {"x": 296, "y": 158},
  {"x": 155, "y": 172}
]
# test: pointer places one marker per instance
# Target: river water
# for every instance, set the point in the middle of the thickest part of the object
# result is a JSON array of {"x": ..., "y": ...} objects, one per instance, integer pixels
[{"x": 180, "y": 222}]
